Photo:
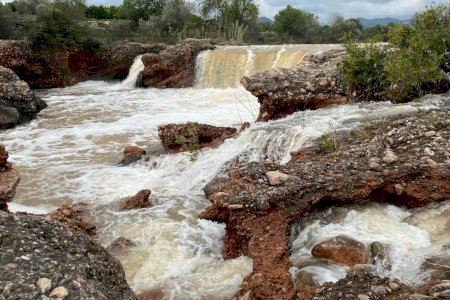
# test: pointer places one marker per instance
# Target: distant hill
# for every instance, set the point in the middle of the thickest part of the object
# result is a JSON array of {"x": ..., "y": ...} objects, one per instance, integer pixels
[
  {"x": 381, "y": 21},
  {"x": 264, "y": 20}
]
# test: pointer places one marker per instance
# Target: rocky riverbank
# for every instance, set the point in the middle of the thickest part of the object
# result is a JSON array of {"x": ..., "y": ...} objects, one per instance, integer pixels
[
  {"x": 50, "y": 68},
  {"x": 402, "y": 161}
]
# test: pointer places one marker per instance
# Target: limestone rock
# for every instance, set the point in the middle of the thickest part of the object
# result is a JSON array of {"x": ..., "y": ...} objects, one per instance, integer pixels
[
  {"x": 70, "y": 260},
  {"x": 59, "y": 292},
  {"x": 173, "y": 67},
  {"x": 44, "y": 284},
  {"x": 314, "y": 84},
  {"x": 342, "y": 250},
  {"x": 18, "y": 103}
]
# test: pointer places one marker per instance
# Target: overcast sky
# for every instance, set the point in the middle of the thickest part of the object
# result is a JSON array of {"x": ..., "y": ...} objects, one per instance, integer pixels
[{"x": 402, "y": 9}]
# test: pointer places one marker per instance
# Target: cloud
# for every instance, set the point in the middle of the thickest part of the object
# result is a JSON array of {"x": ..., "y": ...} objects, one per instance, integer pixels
[{"x": 402, "y": 9}]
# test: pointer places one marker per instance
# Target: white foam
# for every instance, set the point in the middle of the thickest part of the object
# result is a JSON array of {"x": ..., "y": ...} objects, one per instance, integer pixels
[{"x": 70, "y": 154}]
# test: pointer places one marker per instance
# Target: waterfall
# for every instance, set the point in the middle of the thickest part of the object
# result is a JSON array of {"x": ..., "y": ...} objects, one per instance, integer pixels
[
  {"x": 135, "y": 69},
  {"x": 225, "y": 66}
]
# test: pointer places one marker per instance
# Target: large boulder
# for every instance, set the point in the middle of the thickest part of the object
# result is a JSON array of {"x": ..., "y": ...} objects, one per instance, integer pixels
[
  {"x": 314, "y": 84},
  {"x": 342, "y": 250},
  {"x": 173, "y": 67},
  {"x": 41, "y": 259},
  {"x": 18, "y": 103},
  {"x": 193, "y": 136}
]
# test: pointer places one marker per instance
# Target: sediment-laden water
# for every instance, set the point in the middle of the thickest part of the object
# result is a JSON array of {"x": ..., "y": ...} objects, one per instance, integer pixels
[{"x": 70, "y": 153}]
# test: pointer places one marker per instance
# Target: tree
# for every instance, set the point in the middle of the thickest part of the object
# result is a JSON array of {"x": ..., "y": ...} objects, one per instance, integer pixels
[
  {"x": 296, "y": 24},
  {"x": 175, "y": 14},
  {"x": 233, "y": 16},
  {"x": 6, "y": 22},
  {"x": 136, "y": 10}
]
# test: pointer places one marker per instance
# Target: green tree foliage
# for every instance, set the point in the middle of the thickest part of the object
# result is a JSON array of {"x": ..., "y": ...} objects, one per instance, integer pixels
[
  {"x": 296, "y": 25},
  {"x": 233, "y": 17},
  {"x": 175, "y": 14},
  {"x": 409, "y": 66},
  {"x": 136, "y": 10},
  {"x": 102, "y": 12},
  {"x": 7, "y": 28}
]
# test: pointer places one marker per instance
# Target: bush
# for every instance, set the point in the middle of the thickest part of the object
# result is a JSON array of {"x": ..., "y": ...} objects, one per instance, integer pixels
[
  {"x": 363, "y": 68},
  {"x": 408, "y": 67}
]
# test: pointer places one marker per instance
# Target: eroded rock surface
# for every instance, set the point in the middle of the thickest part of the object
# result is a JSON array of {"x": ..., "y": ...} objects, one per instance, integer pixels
[
  {"x": 315, "y": 83},
  {"x": 18, "y": 103},
  {"x": 193, "y": 136},
  {"x": 174, "y": 67},
  {"x": 44, "y": 258},
  {"x": 75, "y": 217},
  {"x": 258, "y": 215}
]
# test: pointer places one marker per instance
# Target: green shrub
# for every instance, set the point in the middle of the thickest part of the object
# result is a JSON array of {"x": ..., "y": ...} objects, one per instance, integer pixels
[
  {"x": 409, "y": 66},
  {"x": 363, "y": 68}
]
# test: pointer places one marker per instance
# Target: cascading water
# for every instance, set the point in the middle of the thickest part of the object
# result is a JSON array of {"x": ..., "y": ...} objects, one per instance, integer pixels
[
  {"x": 70, "y": 154},
  {"x": 136, "y": 68},
  {"x": 225, "y": 66}
]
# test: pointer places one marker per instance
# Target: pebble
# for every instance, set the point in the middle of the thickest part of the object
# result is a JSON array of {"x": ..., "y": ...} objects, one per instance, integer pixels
[
  {"x": 379, "y": 289},
  {"x": 44, "y": 284},
  {"x": 429, "y": 152},
  {"x": 432, "y": 163},
  {"x": 59, "y": 292},
  {"x": 363, "y": 297},
  {"x": 393, "y": 286},
  {"x": 430, "y": 133}
]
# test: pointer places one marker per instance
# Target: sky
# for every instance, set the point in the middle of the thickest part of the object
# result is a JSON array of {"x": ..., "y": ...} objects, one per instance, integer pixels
[{"x": 370, "y": 9}]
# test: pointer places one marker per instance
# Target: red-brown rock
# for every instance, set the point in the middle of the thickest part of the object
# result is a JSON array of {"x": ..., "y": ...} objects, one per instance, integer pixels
[
  {"x": 185, "y": 137},
  {"x": 76, "y": 217},
  {"x": 174, "y": 67},
  {"x": 319, "y": 179},
  {"x": 342, "y": 250},
  {"x": 154, "y": 294},
  {"x": 132, "y": 154},
  {"x": 140, "y": 200}
]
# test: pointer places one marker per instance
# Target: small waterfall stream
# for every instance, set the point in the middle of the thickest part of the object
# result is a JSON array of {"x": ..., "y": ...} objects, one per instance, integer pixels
[{"x": 133, "y": 74}]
